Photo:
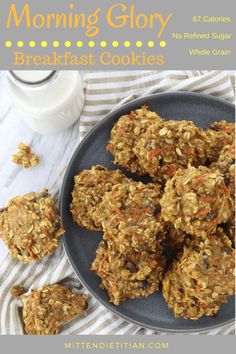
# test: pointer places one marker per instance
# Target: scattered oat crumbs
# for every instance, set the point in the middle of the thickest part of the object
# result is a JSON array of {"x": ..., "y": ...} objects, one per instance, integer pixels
[
  {"x": 25, "y": 157},
  {"x": 18, "y": 290}
]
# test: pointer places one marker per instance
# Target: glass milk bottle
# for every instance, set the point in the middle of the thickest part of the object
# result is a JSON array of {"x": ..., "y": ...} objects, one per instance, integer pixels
[{"x": 50, "y": 100}]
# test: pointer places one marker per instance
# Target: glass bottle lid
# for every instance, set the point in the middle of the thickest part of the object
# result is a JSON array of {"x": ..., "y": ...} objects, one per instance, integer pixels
[{"x": 32, "y": 77}]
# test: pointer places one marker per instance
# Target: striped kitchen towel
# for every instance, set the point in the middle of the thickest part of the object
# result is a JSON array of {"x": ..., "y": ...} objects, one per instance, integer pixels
[{"x": 104, "y": 92}]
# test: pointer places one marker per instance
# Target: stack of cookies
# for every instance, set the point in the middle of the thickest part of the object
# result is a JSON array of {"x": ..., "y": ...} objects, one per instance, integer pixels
[{"x": 188, "y": 209}]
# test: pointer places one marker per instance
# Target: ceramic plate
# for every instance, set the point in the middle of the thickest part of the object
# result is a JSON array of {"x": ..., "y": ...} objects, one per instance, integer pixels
[{"x": 81, "y": 244}]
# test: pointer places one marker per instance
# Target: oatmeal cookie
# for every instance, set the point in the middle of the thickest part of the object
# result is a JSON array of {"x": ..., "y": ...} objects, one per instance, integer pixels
[
  {"x": 126, "y": 133},
  {"x": 202, "y": 278},
  {"x": 195, "y": 200},
  {"x": 31, "y": 227},
  {"x": 47, "y": 309},
  {"x": 130, "y": 214},
  {"x": 170, "y": 145},
  {"x": 90, "y": 186},
  {"x": 25, "y": 157},
  {"x": 219, "y": 134},
  {"x": 133, "y": 275}
]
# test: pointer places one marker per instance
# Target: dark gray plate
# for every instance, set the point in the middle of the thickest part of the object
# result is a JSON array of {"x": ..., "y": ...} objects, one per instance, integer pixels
[{"x": 81, "y": 244}]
